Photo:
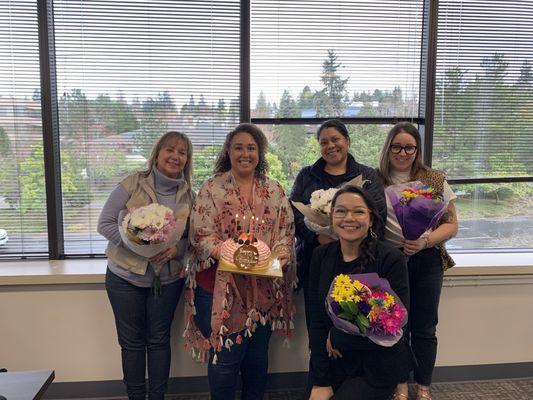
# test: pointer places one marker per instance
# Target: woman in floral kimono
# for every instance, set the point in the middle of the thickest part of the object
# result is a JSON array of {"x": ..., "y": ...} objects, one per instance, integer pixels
[{"x": 230, "y": 317}]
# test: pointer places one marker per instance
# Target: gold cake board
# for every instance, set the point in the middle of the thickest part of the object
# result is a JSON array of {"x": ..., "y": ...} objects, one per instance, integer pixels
[{"x": 271, "y": 270}]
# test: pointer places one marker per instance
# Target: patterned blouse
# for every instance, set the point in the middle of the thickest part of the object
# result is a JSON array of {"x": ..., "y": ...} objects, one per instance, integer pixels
[{"x": 240, "y": 302}]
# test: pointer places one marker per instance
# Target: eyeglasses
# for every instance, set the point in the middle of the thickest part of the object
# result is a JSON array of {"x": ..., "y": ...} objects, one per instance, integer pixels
[
  {"x": 341, "y": 212},
  {"x": 397, "y": 149}
]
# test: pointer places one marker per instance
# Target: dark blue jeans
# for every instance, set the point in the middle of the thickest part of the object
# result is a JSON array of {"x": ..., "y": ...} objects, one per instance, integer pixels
[
  {"x": 425, "y": 284},
  {"x": 143, "y": 326},
  {"x": 250, "y": 358}
]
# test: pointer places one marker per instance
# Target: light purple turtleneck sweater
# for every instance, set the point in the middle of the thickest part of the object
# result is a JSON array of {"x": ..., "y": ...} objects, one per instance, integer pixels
[{"x": 165, "y": 190}]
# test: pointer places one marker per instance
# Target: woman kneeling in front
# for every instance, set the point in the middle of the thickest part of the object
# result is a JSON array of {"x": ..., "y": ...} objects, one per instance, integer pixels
[{"x": 345, "y": 366}]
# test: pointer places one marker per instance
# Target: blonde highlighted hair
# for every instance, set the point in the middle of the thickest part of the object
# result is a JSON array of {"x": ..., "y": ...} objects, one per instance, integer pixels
[{"x": 172, "y": 136}]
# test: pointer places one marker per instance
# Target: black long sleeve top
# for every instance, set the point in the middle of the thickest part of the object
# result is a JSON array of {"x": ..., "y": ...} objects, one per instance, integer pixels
[
  {"x": 313, "y": 177},
  {"x": 327, "y": 262}
]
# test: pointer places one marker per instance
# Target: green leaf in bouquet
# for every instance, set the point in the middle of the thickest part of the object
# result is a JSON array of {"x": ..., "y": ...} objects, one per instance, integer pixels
[
  {"x": 364, "y": 320},
  {"x": 346, "y": 316},
  {"x": 352, "y": 306},
  {"x": 362, "y": 323},
  {"x": 344, "y": 306}
]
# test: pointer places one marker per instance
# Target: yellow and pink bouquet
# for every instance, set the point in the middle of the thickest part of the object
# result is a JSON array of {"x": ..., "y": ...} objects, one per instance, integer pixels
[
  {"x": 417, "y": 207},
  {"x": 423, "y": 190},
  {"x": 365, "y": 305}
]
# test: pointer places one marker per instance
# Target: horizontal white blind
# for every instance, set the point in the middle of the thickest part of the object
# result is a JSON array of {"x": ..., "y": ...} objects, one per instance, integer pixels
[
  {"x": 127, "y": 72},
  {"x": 484, "y": 97},
  {"x": 335, "y": 58},
  {"x": 23, "y": 224}
]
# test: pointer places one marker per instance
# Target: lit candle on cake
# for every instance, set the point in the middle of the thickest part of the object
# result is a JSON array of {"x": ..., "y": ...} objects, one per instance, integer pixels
[
  {"x": 252, "y": 219},
  {"x": 236, "y": 225}
]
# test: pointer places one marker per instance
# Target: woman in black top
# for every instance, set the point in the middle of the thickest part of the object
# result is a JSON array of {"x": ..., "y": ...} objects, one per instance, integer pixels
[
  {"x": 347, "y": 366},
  {"x": 335, "y": 167}
]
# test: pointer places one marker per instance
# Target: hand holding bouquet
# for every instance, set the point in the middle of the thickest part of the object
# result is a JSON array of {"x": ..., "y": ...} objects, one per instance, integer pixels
[
  {"x": 365, "y": 305},
  {"x": 152, "y": 229},
  {"x": 316, "y": 213},
  {"x": 416, "y": 206},
  {"x": 151, "y": 224}
]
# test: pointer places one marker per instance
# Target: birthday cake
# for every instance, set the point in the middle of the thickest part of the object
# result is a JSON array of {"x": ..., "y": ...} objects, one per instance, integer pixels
[{"x": 246, "y": 252}]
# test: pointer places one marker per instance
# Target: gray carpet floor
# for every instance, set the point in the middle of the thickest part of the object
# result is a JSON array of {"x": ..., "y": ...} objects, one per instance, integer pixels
[{"x": 501, "y": 389}]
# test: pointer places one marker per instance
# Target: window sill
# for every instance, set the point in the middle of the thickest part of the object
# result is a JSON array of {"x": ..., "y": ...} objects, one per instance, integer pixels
[
  {"x": 479, "y": 264},
  {"x": 52, "y": 272},
  {"x": 57, "y": 272}
]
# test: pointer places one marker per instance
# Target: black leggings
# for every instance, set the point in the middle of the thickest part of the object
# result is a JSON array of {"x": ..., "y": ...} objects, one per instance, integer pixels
[
  {"x": 360, "y": 388},
  {"x": 425, "y": 284}
]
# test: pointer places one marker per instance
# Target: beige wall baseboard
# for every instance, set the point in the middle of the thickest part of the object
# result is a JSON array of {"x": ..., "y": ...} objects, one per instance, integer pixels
[{"x": 70, "y": 328}]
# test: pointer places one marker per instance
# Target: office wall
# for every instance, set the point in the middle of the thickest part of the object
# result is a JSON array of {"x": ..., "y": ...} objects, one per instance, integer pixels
[{"x": 70, "y": 328}]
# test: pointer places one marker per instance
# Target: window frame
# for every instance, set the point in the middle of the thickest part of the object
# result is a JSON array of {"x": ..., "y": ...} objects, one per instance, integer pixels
[{"x": 49, "y": 106}]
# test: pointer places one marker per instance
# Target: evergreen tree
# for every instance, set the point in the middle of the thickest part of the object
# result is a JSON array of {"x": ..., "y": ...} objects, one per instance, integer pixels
[
  {"x": 332, "y": 100},
  {"x": 287, "y": 106},
  {"x": 305, "y": 99},
  {"x": 5, "y": 143},
  {"x": 234, "y": 111},
  {"x": 262, "y": 108},
  {"x": 153, "y": 124},
  {"x": 203, "y": 108},
  {"x": 221, "y": 107},
  {"x": 526, "y": 76},
  {"x": 189, "y": 109},
  {"x": 74, "y": 117}
]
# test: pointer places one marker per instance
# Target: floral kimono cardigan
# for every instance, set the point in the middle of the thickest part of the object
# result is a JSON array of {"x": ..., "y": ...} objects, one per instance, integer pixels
[{"x": 240, "y": 302}]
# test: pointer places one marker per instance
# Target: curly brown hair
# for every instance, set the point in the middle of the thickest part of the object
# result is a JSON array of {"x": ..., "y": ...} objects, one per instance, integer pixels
[{"x": 223, "y": 162}]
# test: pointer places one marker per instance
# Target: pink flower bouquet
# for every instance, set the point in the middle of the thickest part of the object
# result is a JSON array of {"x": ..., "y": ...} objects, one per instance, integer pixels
[
  {"x": 365, "y": 305},
  {"x": 151, "y": 229}
]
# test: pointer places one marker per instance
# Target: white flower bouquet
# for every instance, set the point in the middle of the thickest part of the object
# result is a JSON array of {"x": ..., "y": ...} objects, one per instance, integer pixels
[
  {"x": 151, "y": 229},
  {"x": 316, "y": 213}
]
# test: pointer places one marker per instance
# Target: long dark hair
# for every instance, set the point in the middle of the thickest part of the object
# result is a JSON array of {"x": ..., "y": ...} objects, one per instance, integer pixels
[
  {"x": 223, "y": 162},
  {"x": 368, "y": 247},
  {"x": 384, "y": 163}
]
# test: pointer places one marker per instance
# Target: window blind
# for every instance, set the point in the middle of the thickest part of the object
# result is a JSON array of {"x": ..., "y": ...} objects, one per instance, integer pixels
[
  {"x": 127, "y": 72},
  {"x": 335, "y": 58},
  {"x": 484, "y": 95},
  {"x": 23, "y": 225}
]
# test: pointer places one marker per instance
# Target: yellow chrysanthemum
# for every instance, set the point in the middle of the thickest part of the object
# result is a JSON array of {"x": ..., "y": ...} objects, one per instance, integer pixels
[
  {"x": 346, "y": 290},
  {"x": 339, "y": 293},
  {"x": 342, "y": 279},
  {"x": 389, "y": 300},
  {"x": 357, "y": 285}
]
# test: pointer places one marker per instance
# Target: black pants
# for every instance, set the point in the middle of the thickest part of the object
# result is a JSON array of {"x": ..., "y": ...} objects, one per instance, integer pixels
[
  {"x": 357, "y": 388},
  {"x": 425, "y": 284},
  {"x": 360, "y": 388},
  {"x": 143, "y": 325}
]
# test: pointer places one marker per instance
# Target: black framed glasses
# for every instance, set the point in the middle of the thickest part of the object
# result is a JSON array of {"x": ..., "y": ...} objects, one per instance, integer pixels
[
  {"x": 342, "y": 212},
  {"x": 397, "y": 149}
]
